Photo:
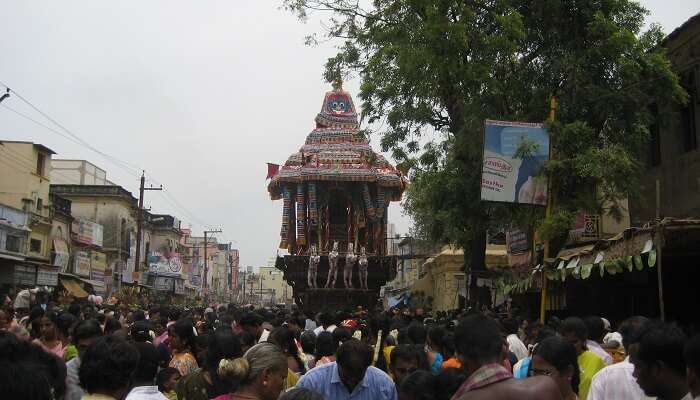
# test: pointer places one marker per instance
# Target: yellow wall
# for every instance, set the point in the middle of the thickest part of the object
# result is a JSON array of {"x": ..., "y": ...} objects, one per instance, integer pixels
[
  {"x": 22, "y": 188},
  {"x": 274, "y": 279}
]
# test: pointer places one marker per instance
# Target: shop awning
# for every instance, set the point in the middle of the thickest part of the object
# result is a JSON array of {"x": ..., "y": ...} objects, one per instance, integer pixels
[
  {"x": 73, "y": 288},
  {"x": 11, "y": 258}
]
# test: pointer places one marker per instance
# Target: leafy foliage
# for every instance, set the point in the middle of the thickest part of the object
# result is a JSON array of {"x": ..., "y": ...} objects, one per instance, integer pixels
[{"x": 432, "y": 70}]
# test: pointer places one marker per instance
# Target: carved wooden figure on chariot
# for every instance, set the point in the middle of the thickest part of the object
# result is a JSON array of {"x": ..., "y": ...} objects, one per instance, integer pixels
[
  {"x": 350, "y": 260},
  {"x": 333, "y": 266},
  {"x": 363, "y": 263},
  {"x": 314, "y": 260}
]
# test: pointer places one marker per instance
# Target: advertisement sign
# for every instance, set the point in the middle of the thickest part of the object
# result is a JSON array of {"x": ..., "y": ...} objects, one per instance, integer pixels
[
  {"x": 179, "y": 286},
  {"x": 514, "y": 153},
  {"x": 164, "y": 264},
  {"x": 163, "y": 283},
  {"x": 518, "y": 248},
  {"x": 47, "y": 276},
  {"x": 196, "y": 268},
  {"x": 87, "y": 232},
  {"x": 82, "y": 263},
  {"x": 98, "y": 266},
  {"x": 128, "y": 273},
  {"x": 61, "y": 255},
  {"x": 233, "y": 282},
  {"x": 516, "y": 241},
  {"x": 25, "y": 275}
]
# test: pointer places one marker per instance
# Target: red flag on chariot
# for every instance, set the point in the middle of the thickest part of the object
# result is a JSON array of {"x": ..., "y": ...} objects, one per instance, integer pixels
[{"x": 272, "y": 170}]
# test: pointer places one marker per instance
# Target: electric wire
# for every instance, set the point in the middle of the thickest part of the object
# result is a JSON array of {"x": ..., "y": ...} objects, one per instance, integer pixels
[{"x": 67, "y": 134}]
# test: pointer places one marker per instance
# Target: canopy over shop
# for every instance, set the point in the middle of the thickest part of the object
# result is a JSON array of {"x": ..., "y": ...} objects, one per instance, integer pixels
[{"x": 641, "y": 271}]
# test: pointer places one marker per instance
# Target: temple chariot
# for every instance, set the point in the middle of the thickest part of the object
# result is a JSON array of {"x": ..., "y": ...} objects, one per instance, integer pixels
[{"x": 336, "y": 193}]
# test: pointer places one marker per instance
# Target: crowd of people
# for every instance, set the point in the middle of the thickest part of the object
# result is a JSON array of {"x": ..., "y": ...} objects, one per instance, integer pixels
[{"x": 229, "y": 352}]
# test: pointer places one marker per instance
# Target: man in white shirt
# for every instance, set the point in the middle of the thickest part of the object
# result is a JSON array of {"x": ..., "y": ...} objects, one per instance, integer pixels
[
  {"x": 616, "y": 381},
  {"x": 327, "y": 324},
  {"x": 515, "y": 345},
  {"x": 596, "y": 332},
  {"x": 145, "y": 374}
]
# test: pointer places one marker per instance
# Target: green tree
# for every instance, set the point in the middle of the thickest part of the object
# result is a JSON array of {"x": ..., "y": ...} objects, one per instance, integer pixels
[{"x": 432, "y": 71}]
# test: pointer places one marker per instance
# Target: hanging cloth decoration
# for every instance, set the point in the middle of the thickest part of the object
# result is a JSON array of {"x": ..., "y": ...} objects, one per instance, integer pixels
[
  {"x": 286, "y": 209},
  {"x": 313, "y": 205},
  {"x": 301, "y": 216},
  {"x": 361, "y": 221},
  {"x": 367, "y": 198},
  {"x": 381, "y": 202}
]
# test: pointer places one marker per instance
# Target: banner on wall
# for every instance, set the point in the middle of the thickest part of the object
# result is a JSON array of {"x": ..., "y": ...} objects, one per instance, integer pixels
[
  {"x": 98, "y": 266},
  {"x": 164, "y": 264},
  {"x": 235, "y": 258},
  {"x": 82, "y": 263},
  {"x": 47, "y": 276},
  {"x": 128, "y": 273},
  {"x": 514, "y": 153},
  {"x": 518, "y": 248},
  {"x": 87, "y": 232},
  {"x": 179, "y": 286},
  {"x": 61, "y": 256}
]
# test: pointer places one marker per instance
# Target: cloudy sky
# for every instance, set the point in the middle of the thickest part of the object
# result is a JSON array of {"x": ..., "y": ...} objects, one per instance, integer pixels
[{"x": 200, "y": 94}]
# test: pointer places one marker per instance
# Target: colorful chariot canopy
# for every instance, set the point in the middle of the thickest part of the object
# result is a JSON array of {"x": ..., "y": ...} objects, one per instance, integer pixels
[{"x": 336, "y": 150}]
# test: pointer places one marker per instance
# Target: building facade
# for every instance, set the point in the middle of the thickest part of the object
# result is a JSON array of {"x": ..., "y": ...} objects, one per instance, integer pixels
[
  {"x": 165, "y": 252},
  {"x": 25, "y": 223},
  {"x": 671, "y": 182},
  {"x": 103, "y": 232}
]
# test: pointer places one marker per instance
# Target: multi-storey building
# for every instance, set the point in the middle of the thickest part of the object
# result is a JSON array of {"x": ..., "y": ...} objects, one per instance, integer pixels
[
  {"x": 25, "y": 214},
  {"x": 103, "y": 232}
]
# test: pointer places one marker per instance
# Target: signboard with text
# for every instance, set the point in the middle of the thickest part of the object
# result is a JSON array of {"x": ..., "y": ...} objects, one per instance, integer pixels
[
  {"x": 514, "y": 153},
  {"x": 164, "y": 264},
  {"x": 87, "y": 232},
  {"x": 82, "y": 263}
]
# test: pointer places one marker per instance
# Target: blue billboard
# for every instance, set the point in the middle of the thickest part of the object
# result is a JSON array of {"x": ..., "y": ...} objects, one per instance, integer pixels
[{"x": 514, "y": 153}]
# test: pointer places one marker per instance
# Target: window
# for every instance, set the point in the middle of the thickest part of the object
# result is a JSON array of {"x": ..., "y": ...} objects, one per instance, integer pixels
[
  {"x": 40, "y": 164},
  {"x": 39, "y": 205},
  {"x": 655, "y": 140},
  {"x": 13, "y": 243},
  {"x": 35, "y": 246},
  {"x": 688, "y": 122}
]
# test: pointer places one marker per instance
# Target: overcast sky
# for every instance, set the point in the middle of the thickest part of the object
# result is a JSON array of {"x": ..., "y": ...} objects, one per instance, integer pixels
[{"x": 200, "y": 94}]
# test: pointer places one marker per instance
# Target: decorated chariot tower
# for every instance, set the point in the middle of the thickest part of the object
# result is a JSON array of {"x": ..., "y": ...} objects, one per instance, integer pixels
[{"x": 336, "y": 192}]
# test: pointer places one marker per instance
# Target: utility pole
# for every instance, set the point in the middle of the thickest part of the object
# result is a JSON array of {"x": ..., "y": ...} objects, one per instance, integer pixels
[
  {"x": 139, "y": 219},
  {"x": 242, "y": 287},
  {"x": 206, "y": 267},
  {"x": 6, "y": 95},
  {"x": 261, "y": 289}
]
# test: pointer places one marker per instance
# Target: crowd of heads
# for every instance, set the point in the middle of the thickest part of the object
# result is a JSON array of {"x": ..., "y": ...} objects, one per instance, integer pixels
[{"x": 263, "y": 350}]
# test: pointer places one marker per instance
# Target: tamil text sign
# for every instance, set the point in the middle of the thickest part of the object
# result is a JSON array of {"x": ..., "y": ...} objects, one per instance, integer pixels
[
  {"x": 82, "y": 263},
  {"x": 87, "y": 232},
  {"x": 514, "y": 153}
]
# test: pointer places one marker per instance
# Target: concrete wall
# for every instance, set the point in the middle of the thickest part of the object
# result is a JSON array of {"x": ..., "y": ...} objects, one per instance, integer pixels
[
  {"x": 77, "y": 172},
  {"x": 109, "y": 213},
  {"x": 272, "y": 279},
  {"x": 23, "y": 187},
  {"x": 19, "y": 179},
  {"x": 678, "y": 172}
]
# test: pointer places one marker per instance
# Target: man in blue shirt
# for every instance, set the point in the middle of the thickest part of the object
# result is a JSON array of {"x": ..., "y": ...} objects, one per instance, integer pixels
[{"x": 351, "y": 376}]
